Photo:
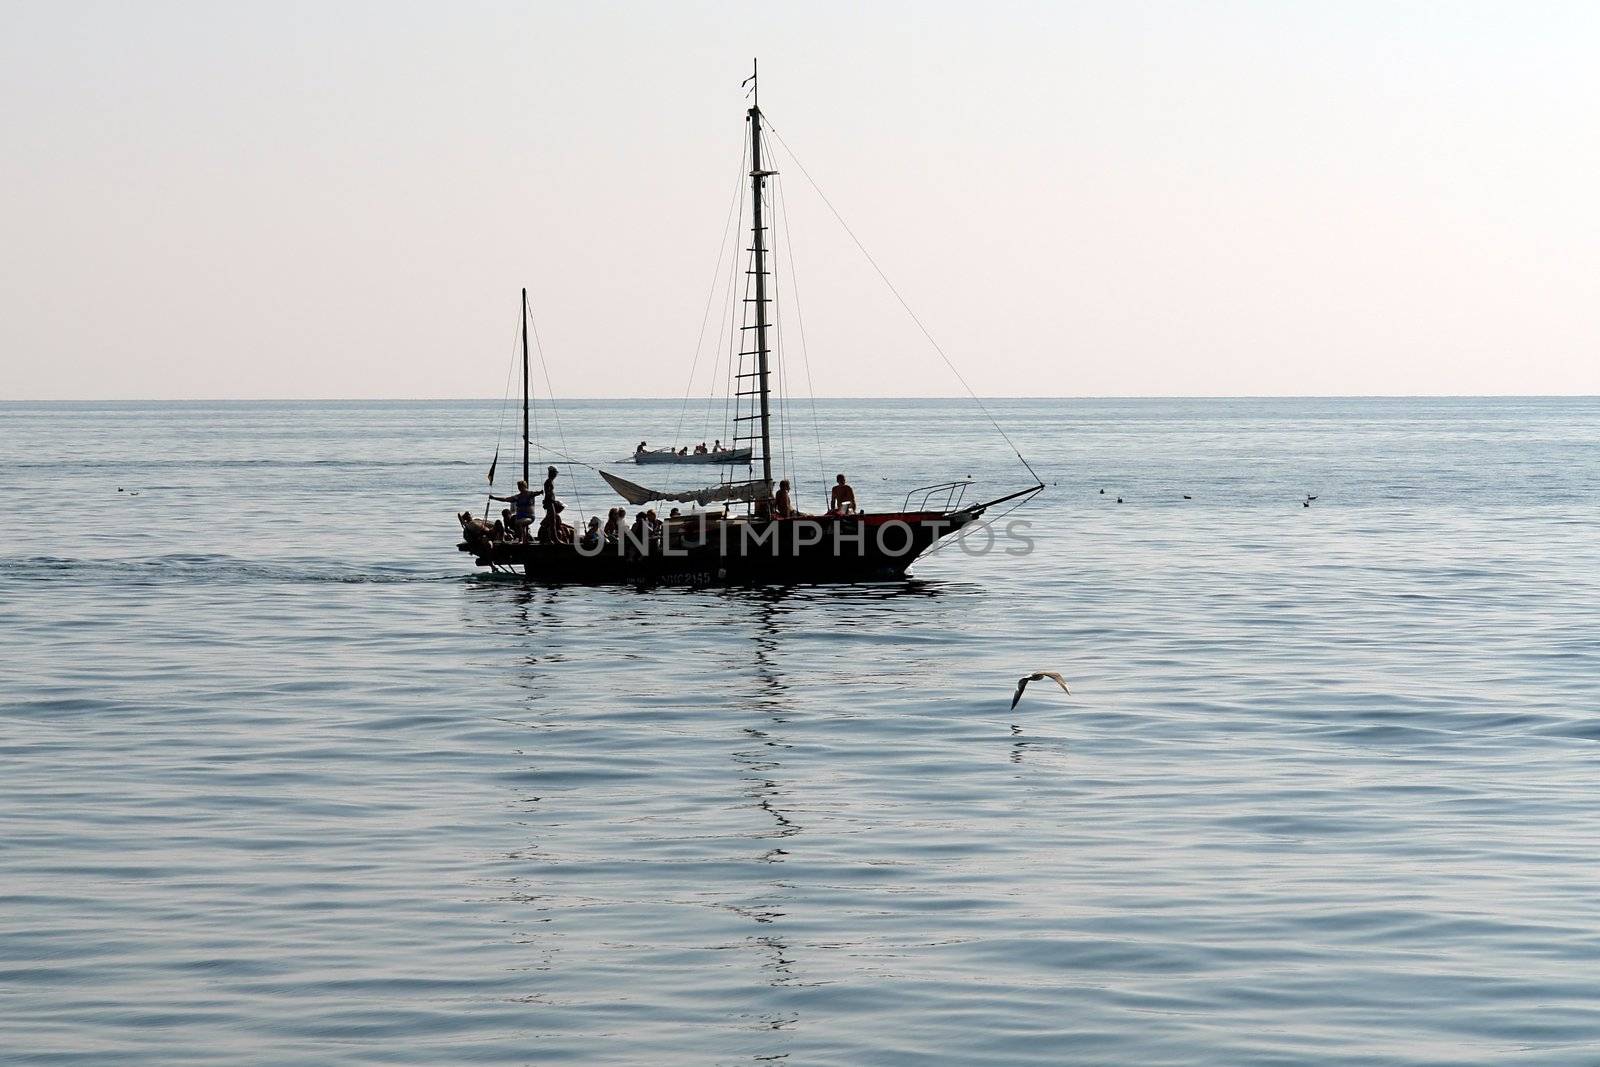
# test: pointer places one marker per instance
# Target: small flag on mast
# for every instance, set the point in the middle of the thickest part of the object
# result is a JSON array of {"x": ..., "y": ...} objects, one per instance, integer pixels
[{"x": 493, "y": 463}]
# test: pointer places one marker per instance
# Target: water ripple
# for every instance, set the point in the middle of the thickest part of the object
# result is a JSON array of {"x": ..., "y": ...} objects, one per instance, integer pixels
[{"x": 282, "y": 781}]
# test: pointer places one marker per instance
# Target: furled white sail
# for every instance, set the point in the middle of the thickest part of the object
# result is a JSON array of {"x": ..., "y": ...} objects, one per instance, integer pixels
[{"x": 711, "y": 494}]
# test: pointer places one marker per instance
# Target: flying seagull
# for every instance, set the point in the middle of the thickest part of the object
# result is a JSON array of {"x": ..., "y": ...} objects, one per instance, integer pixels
[{"x": 1022, "y": 683}]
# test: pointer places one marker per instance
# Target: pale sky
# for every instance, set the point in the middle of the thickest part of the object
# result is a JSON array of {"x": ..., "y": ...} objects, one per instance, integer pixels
[{"x": 343, "y": 199}]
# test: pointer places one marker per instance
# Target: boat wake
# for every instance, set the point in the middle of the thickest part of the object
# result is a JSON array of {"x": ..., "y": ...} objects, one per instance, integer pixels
[{"x": 205, "y": 568}]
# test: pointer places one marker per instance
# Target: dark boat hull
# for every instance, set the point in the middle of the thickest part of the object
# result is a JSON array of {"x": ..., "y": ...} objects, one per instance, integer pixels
[
  {"x": 812, "y": 549},
  {"x": 734, "y": 458}
]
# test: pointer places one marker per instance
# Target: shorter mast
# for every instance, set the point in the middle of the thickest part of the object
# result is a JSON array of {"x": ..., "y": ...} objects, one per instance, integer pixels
[{"x": 525, "y": 480}]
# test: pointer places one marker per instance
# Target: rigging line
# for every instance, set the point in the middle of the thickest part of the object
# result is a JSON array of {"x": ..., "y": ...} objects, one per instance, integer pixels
[
  {"x": 800, "y": 321},
  {"x": 505, "y": 399},
  {"x": 561, "y": 433},
  {"x": 749, "y": 364},
  {"x": 564, "y": 456},
  {"x": 773, "y": 362},
  {"x": 723, "y": 324},
  {"x": 738, "y": 317},
  {"x": 775, "y": 413},
  {"x": 734, "y": 321},
  {"x": 533, "y": 402},
  {"x": 785, "y": 445},
  {"x": 981, "y": 523},
  {"x": 505, "y": 395},
  {"x": 947, "y": 361},
  {"x": 716, "y": 276},
  {"x": 716, "y": 351},
  {"x": 783, "y": 352}
]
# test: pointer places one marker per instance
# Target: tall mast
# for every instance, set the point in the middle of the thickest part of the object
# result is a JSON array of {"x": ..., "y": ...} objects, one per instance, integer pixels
[
  {"x": 525, "y": 388},
  {"x": 757, "y": 180}
]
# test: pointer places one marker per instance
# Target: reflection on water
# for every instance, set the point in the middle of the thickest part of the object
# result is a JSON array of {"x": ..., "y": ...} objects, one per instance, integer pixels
[{"x": 1322, "y": 793}]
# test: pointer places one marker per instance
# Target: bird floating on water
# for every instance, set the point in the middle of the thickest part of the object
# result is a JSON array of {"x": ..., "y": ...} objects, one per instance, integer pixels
[{"x": 1022, "y": 683}]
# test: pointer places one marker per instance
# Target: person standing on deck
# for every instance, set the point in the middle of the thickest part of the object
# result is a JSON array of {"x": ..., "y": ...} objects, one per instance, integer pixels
[
  {"x": 842, "y": 501},
  {"x": 551, "y": 529},
  {"x": 550, "y": 488}
]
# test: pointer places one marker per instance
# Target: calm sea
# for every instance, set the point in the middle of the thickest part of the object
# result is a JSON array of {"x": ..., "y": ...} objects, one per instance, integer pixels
[{"x": 283, "y": 781}]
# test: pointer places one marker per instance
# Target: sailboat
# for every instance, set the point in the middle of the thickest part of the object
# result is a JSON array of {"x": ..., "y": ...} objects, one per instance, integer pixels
[
  {"x": 765, "y": 543},
  {"x": 727, "y": 457}
]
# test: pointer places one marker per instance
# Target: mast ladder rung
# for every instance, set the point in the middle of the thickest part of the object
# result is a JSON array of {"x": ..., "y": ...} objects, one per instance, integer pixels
[
  {"x": 757, "y": 326},
  {"x": 750, "y": 374}
]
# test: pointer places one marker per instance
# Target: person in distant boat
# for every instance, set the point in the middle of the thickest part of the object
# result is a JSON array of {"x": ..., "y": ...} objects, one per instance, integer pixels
[
  {"x": 615, "y": 519},
  {"x": 591, "y": 535},
  {"x": 700, "y": 449},
  {"x": 718, "y": 447},
  {"x": 684, "y": 451},
  {"x": 842, "y": 501},
  {"x": 652, "y": 524},
  {"x": 673, "y": 514},
  {"x": 783, "y": 504},
  {"x": 522, "y": 503},
  {"x": 643, "y": 448}
]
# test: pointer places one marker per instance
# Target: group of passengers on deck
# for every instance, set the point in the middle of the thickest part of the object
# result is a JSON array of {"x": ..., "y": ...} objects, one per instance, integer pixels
[
  {"x": 699, "y": 450},
  {"x": 516, "y": 522}
]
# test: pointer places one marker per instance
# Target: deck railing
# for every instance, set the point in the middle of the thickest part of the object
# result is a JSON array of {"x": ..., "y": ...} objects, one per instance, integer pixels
[{"x": 954, "y": 493}]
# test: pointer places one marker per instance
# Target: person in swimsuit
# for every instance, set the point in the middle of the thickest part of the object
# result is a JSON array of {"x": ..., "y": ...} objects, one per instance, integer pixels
[
  {"x": 842, "y": 500},
  {"x": 522, "y": 504},
  {"x": 782, "y": 505}
]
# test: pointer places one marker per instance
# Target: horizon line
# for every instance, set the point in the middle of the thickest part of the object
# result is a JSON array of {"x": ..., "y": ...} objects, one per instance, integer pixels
[{"x": 677, "y": 399}]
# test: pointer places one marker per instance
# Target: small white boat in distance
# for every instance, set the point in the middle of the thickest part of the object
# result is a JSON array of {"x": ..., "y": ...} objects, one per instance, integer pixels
[{"x": 729, "y": 456}]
